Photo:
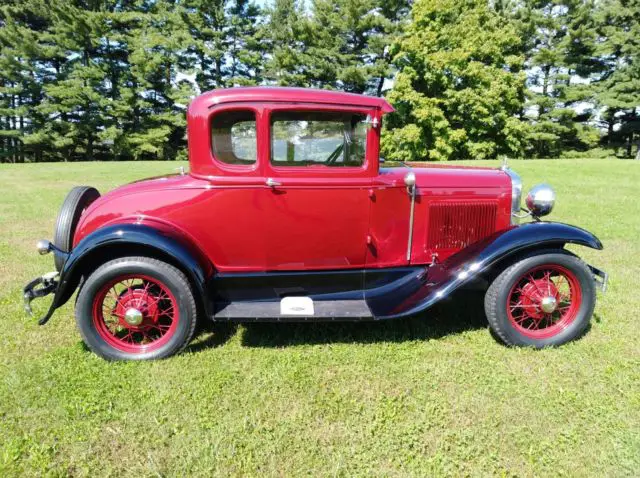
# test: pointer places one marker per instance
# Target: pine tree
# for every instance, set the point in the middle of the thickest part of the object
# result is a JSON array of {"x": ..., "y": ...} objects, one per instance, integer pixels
[
  {"x": 618, "y": 88},
  {"x": 560, "y": 46},
  {"x": 287, "y": 35},
  {"x": 352, "y": 40},
  {"x": 76, "y": 102},
  {"x": 27, "y": 64},
  {"x": 337, "y": 44},
  {"x": 14, "y": 82},
  {"x": 156, "y": 55},
  {"x": 246, "y": 51},
  {"x": 224, "y": 47}
]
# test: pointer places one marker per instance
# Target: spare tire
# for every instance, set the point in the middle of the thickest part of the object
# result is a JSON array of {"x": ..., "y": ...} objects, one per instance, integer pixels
[{"x": 78, "y": 199}]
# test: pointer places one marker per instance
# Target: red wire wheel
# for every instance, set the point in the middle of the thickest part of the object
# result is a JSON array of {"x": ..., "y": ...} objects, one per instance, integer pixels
[
  {"x": 135, "y": 313},
  {"x": 544, "y": 301}
]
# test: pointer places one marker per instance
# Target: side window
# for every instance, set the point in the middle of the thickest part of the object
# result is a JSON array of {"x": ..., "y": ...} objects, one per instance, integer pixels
[
  {"x": 318, "y": 139},
  {"x": 233, "y": 137}
]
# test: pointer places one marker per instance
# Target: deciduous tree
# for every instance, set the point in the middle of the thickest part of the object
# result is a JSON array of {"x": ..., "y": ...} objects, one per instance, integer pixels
[{"x": 459, "y": 87}]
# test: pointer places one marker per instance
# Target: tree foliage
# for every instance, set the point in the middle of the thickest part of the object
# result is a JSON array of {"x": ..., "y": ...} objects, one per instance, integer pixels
[
  {"x": 111, "y": 79},
  {"x": 459, "y": 85},
  {"x": 338, "y": 44},
  {"x": 618, "y": 88},
  {"x": 560, "y": 48}
]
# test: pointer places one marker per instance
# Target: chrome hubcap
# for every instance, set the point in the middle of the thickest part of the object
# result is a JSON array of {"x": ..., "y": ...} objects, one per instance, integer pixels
[
  {"x": 548, "y": 304},
  {"x": 133, "y": 316}
]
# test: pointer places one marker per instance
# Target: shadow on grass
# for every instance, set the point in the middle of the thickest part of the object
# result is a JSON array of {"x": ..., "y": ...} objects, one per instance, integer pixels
[
  {"x": 462, "y": 312},
  {"x": 211, "y": 335}
]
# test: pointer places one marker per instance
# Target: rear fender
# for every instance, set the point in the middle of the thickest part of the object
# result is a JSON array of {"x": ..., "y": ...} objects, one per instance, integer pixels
[
  {"x": 160, "y": 241},
  {"x": 432, "y": 284}
]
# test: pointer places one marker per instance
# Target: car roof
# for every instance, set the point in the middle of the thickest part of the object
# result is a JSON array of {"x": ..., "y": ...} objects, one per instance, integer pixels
[{"x": 287, "y": 95}]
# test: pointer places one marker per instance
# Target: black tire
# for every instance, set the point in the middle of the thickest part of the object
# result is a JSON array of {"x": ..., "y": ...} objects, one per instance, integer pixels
[
  {"x": 498, "y": 301},
  {"x": 78, "y": 199},
  {"x": 168, "y": 276}
]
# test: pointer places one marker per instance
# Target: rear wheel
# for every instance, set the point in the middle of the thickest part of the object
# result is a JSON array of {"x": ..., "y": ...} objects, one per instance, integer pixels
[
  {"x": 543, "y": 300},
  {"x": 136, "y": 308}
]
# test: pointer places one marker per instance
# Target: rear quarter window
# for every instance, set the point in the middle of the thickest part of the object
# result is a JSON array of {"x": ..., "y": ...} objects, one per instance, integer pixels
[{"x": 234, "y": 138}]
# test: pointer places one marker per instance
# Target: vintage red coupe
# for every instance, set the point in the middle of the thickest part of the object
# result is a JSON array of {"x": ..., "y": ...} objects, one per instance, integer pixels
[{"x": 288, "y": 213}]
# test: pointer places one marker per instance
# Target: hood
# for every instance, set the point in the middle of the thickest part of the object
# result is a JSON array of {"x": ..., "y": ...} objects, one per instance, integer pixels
[{"x": 444, "y": 176}]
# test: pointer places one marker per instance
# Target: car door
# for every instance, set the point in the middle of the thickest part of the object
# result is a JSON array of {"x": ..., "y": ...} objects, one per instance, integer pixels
[
  {"x": 226, "y": 216},
  {"x": 317, "y": 182}
]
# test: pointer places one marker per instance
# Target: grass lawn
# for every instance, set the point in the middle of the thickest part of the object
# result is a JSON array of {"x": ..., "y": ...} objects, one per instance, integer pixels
[{"x": 431, "y": 395}]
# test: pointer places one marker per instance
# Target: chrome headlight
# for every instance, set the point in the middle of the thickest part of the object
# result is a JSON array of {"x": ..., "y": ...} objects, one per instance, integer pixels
[
  {"x": 516, "y": 194},
  {"x": 540, "y": 200}
]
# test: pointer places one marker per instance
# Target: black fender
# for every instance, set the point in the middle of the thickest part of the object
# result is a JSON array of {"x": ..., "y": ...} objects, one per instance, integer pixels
[
  {"x": 159, "y": 241},
  {"x": 425, "y": 287}
]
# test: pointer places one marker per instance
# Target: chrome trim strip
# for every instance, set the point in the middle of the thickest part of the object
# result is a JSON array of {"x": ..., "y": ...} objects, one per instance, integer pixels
[
  {"x": 516, "y": 193},
  {"x": 413, "y": 206},
  {"x": 410, "y": 182}
]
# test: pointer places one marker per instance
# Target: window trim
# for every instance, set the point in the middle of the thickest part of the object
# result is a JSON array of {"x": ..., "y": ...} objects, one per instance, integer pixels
[
  {"x": 315, "y": 170},
  {"x": 235, "y": 168},
  {"x": 323, "y": 165}
]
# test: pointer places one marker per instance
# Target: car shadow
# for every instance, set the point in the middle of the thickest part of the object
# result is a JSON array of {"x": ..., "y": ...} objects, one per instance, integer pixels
[
  {"x": 212, "y": 335},
  {"x": 462, "y": 312}
]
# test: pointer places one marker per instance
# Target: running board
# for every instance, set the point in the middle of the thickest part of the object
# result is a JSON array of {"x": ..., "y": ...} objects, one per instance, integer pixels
[{"x": 244, "y": 311}]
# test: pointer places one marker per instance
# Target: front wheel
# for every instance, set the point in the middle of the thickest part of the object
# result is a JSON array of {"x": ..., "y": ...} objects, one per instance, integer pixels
[
  {"x": 546, "y": 299},
  {"x": 136, "y": 308}
]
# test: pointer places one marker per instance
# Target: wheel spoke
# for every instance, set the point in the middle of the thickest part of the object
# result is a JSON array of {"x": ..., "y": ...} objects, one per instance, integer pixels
[
  {"x": 167, "y": 312},
  {"x": 147, "y": 295},
  {"x": 524, "y": 304}
]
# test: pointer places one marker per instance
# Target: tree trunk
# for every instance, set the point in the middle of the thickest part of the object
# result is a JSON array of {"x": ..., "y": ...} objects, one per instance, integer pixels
[
  {"x": 21, "y": 144},
  {"x": 545, "y": 87},
  {"x": 380, "y": 85},
  {"x": 12, "y": 126},
  {"x": 90, "y": 147},
  {"x": 219, "y": 83}
]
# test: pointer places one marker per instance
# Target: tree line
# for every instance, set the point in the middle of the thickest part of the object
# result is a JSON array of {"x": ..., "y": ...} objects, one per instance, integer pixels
[{"x": 111, "y": 79}]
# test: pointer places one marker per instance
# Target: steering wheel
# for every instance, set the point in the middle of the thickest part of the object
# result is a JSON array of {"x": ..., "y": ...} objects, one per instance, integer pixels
[{"x": 334, "y": 156}]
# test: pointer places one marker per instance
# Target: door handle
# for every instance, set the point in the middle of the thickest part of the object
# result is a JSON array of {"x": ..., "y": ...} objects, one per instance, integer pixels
[{"x": 272, "y": 183}]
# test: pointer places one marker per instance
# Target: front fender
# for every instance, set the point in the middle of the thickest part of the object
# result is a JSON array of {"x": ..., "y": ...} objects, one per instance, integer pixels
[
  {"x": 158, "y": 240},
  {"x": 429, "y": 286}
]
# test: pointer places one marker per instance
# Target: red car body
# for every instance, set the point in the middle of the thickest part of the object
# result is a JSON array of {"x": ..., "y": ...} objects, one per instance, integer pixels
[
  {"x": 255, "y": 222},
  {"x": 317, "y": 218}
]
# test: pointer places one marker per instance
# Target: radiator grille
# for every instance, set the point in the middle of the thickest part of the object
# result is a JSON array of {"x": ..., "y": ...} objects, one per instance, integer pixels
[{"x": 454, "y": 225}]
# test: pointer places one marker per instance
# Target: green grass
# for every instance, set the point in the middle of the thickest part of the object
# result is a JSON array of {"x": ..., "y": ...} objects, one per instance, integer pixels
[{"x": 431, "y": 395}]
